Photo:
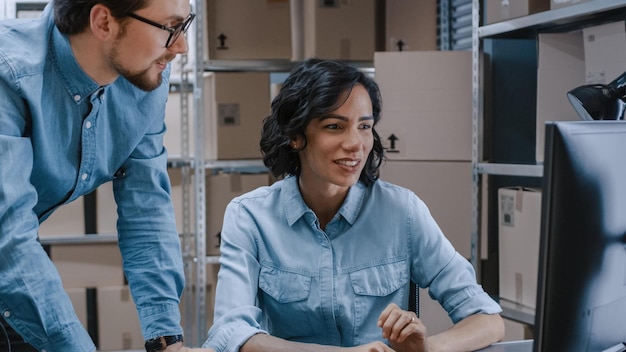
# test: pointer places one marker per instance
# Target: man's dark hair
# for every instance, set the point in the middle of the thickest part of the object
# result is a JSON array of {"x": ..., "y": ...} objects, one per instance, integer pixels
[
  {"x": 312, "y": 90},
  {"x": 72, "y": 16}
]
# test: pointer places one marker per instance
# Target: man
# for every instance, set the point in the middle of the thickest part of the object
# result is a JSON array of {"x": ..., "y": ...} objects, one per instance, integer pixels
[{"x": 83, "y": 99}]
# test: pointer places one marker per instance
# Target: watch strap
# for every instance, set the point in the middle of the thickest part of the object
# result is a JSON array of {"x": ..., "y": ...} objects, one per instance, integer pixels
[{"x": 160, "y": 343}]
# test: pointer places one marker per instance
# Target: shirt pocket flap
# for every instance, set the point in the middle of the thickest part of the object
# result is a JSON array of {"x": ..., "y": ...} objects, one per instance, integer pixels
[
  {"x": 284, "y": 286},
  {"x": 380, "y": 280}
]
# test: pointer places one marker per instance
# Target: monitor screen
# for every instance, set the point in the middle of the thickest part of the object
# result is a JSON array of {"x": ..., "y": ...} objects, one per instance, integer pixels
[{"x": 581, "y": 293}]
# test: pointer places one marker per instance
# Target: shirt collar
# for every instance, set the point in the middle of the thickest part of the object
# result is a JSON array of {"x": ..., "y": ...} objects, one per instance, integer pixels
[
  {"x": 75, "y": 81},
  {"x": 295, "y": 207}
]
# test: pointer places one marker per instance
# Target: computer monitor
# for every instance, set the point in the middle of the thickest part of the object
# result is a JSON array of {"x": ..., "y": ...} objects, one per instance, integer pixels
[{"x": 581, "y": 293}]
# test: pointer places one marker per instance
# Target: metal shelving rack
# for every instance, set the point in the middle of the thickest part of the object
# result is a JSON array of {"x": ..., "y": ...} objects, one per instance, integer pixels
[{"x": 566, "y": 18}]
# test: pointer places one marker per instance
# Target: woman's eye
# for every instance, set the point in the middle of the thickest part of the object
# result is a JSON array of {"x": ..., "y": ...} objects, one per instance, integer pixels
[
  {"x": 332, "y": 126},
  {"x": 366, "y": 126}
]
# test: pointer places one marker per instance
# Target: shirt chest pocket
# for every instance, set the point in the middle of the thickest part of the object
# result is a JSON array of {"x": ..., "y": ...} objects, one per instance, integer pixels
[
  {"x": 376, "y": 287},
  {"x": 284, "y": 286},
  {"x": 379, "y": 280},
  {"x": 284, "y": 299}
]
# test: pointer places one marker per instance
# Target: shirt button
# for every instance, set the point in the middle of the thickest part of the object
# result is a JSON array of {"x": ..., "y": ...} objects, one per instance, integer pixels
[
  {"x": 76, "y": 97},
  {"x": 6, "y": 314},
  {"x": 88, "y": 124},
  {"x": 84, "y": 177}
]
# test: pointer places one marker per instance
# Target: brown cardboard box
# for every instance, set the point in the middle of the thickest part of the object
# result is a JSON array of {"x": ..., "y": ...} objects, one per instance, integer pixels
[
  {"x": 88, "y": 265},
  {"x": 241, "y": 29},
  {"x": 68, "y": 219},
  {"x": 106, "y": 209},
  {"x": 341, "y": 30},
  {"x": 235, "y": 104},
  {"x": 605, "y": 52},
  {"x": 519, "y": 214},
  {"x": 427, "y": 99},
  {"x": 555, "y": 4},
  {"x": 118, "y": 323},
  {"x": 561, "y": 68},
  {"x": 500, "y": 10},
  {"x": 221, "y": 189},
  {"x": 446, "y": 188},
  {"x": 515, "y": 331},
  {"x": 413, "y": 23},
  {"x": 78, "y": 296}
]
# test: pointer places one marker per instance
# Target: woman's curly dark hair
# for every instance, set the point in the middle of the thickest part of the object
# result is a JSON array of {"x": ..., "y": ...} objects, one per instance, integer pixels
[{"x": 312, "y": 90}]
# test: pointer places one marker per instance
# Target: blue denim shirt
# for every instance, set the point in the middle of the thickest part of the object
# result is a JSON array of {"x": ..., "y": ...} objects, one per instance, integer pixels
[
  {"x": 281, "y": 274},
  {"x": 61, "y": 136}
]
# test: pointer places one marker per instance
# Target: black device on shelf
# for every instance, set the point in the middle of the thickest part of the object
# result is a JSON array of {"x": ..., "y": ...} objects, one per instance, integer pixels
[
  {"x": 600, "y": 101},
  {"x": 581, "y": 295}
]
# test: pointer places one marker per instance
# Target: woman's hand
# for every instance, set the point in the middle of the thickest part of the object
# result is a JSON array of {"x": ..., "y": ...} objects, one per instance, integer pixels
[{"x": 403, "y": 329}]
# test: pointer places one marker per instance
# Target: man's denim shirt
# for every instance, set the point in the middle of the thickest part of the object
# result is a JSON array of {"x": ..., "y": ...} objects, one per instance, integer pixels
[{"x": 61, "y": 136}]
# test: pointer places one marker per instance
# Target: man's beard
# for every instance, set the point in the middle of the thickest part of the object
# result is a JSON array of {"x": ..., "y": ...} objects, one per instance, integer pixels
[{"x": 140, "y": 79}]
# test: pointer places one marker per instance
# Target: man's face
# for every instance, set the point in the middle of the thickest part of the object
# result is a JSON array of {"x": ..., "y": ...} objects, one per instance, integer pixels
[{"x": 139, "y": 53}]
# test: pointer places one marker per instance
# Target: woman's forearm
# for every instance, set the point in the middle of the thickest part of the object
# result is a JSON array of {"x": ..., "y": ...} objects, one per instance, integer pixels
[
  {"x": 471, "y": 333},
  {"x": 268, "y": 343}
]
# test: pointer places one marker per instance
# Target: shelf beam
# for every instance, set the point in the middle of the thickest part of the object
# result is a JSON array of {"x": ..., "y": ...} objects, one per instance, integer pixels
[
  {"x": 510, "y": 169},
  {"x": 552, "y": 18}
]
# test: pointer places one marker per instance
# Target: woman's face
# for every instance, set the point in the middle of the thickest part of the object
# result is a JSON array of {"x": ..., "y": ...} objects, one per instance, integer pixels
[{"x": 339, "y": 143}]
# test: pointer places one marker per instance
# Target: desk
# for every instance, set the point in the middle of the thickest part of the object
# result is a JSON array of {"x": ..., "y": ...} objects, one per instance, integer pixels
[{"x": 511, "y": 346}]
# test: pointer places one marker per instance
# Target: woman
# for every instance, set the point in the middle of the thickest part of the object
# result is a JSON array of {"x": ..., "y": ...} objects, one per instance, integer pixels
[{"x": 322, "y": 260}]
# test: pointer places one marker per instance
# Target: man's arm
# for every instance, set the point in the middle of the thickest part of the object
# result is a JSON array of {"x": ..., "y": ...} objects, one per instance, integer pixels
[{"x": 32, "y": 298}]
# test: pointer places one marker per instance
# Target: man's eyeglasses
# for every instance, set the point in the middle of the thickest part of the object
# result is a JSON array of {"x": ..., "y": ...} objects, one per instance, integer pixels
[{"x": 175, "y": 31}]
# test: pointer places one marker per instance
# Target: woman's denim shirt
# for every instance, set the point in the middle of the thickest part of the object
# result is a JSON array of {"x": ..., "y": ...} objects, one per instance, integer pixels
[{"x": 281, "y": 274}]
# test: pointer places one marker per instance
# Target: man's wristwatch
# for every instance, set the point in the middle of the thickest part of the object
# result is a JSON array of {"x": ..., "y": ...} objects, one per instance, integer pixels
[{"x": 160, "y": 343}]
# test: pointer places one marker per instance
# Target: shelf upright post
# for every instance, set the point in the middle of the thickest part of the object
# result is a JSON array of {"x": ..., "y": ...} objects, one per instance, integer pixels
[
  {"x": 477, "y": 125},
  {"x": 444, "y": 25},
  {"x": 199, "y": 174},
  {"x": 187, "y": 240}
]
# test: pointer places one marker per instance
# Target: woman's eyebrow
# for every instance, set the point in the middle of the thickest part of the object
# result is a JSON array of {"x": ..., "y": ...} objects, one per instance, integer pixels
[{"x": 344, "y": 118}]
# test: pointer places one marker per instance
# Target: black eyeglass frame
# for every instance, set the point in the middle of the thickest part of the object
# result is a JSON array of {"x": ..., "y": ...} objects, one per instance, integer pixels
[{"x": 175, "y": 31}]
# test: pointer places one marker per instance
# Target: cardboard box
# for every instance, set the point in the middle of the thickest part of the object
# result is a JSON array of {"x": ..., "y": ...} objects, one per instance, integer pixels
[
  {"x": 501, "y": 10},
  {"x": 340, "y": 30},
  {"x": 556, "y": 4},
  {"x": 88, "y": 265},
  {"x": 78, "y": 296},
  {"x": 235, "y": 104},
  {"x": 411, "y": 25},
  {"x": 427, "y": 98},
  {"x": 561, "y": 68},
  {"x": 446, "y": 188},
  {"x": 106, "y": 209},
  {"x": 519, "y": 215},
  {"x": 118, "y": 323},
  {"x": 515, "y": 331},
  {"x": 605, "y": 52},
  {"x": 68, "y": 219},
  {"x": 221, "y": 189},
  {"x": 240, "y": 29}
]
